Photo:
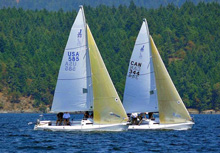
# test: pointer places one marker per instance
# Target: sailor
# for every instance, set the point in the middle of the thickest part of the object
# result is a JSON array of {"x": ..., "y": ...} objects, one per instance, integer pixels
[
  {"x": 141, "y": 116},
  {"x": 86, "y": 115},
  {"x": 150, "y": 114},
  {"x": 59, "y": 118},
  {"x": 91, "y": 116},
  {"x": 129, "y": 117},
  {"x": 66, "y": 117},
  {"x": 134, "y": 118}
]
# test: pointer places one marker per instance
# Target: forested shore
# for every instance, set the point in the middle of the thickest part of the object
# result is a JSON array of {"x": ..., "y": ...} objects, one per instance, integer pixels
[
  {"x": 69, "y": 5},
  {"x": 32, "y": 45}
]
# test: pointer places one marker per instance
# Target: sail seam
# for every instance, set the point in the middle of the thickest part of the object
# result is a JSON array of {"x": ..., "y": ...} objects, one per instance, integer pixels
[
  {"x": 104, "y": 98},
  {"x": 145, "y": 73},
  {"x": 76, "y": 47},
  {"x": 143, "y": 43},
  {"x": 76, "y": 78},
  {"x": 134, "y": 96}
]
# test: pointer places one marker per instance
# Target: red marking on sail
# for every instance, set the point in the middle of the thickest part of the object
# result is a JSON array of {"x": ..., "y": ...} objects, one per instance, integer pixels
[{"x": 17, "y": 1}]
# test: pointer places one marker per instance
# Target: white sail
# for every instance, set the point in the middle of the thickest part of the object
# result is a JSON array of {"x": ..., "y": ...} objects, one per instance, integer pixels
[
  {"x": 140, "y": 93},
  {"x": 74, "y": 88}
]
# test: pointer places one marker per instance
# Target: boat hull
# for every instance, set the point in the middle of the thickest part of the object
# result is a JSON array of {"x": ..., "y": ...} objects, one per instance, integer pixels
[
  {"x": 81, "y": 127},
  {"x": 179, "y": 126}
]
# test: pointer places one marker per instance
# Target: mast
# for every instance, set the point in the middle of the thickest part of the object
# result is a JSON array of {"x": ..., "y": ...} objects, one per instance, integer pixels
[{"x": 88, "y": 68}]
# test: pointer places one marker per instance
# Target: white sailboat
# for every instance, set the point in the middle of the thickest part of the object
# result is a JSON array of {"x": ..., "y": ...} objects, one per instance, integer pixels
[
  {"x": 149, "y": 88},
  {"x": 84, "y": 85}
]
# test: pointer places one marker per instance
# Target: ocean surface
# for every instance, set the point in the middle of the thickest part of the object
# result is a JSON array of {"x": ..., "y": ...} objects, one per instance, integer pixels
[{"x": 17, "y": 136}]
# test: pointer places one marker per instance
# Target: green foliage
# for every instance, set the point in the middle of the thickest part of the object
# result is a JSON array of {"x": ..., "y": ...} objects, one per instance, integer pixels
[
  {"x": 69, "y": 5},
  {"x": 32, "y": 45},
  {"x": 216, "y": 96},
  {"x": 1, "y": 105}
]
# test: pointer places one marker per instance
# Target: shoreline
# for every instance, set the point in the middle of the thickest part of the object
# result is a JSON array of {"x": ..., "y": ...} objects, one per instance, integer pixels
[
  {"x": 196, "y": 111},
  {"x": 191, "y": 111},
  {"x": 31, "y": 112}
]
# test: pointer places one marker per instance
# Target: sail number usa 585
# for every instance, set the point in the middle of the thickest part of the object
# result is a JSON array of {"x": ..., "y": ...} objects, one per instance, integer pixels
[{"x": 73, "y": 58}]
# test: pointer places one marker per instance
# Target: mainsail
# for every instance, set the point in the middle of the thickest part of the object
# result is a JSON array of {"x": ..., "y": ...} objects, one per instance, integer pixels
[
  {"x": 74, "y": 87},
  {"x": 107, "y": 105},
  {"x": 171, "y": 106},
  {"x": 140, "y": 93}
]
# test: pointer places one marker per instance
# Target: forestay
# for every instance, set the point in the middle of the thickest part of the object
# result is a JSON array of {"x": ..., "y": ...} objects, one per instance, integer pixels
[
  {"x": 74, "y": 88},
  {"x": 171, "y": 106},
  {"x": 140, "y": 89},
  {"x": 107, "y": 105}
]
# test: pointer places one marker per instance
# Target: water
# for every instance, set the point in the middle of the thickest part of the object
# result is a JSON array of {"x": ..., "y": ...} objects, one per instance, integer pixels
[{"x": 17, "y": 136}]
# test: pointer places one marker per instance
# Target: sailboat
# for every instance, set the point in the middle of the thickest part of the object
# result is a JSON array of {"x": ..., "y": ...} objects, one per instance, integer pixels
[
  {"x": 84, "y": 84},
  {"x": 149, "y": 88}
]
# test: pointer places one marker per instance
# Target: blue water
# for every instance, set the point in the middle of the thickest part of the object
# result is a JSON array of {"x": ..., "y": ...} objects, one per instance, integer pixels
[{"x": 17, "y": 136}]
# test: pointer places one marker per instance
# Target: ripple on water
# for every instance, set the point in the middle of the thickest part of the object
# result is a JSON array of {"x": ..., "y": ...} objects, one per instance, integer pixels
[{"x": 17, "y": 136}]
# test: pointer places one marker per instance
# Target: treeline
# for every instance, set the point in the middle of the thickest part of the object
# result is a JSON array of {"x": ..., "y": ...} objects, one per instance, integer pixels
[
  {"x": 69, "y": 5},
  {"x": 32, "y": 45}
]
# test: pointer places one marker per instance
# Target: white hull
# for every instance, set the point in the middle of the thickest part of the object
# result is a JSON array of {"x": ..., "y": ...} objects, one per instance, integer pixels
[
  {"x": 152, "y": 125},
  {"x": 77, "y": 126}
]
